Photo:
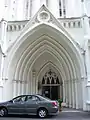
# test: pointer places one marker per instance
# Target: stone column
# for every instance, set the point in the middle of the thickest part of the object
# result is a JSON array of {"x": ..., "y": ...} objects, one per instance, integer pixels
[
  {"x": 3, "y": 46},
  {"x": 60, "y": 90},
  {"x": 3, "y": 35},
  {"x": 54, "y": 7},
  {"x": 19, "y": 87},
  {"x": 36, "y": 86},
  {"x": 73, "y": 93},
  {"x": 34, "y": 81},
  {"x": 14, "y": 88},
  {"x": 23, "y": 84},
  {"x": 76, "y": 91},
  {"x": 80, "y": 93},
  {"x": 26, "y": 87},
  {"x": 86, "y": 58},
  {"x": 67, "y": 94},
  {"x": 69, "y": 87},
  {"x": 63, "y": 85}
]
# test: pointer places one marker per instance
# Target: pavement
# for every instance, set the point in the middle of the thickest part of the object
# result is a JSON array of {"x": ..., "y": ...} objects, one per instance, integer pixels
[{"x": 65, "y": 114}]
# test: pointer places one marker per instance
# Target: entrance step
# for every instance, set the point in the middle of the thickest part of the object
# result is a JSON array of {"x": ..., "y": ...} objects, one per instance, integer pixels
[{"x": 70, "y": 110}]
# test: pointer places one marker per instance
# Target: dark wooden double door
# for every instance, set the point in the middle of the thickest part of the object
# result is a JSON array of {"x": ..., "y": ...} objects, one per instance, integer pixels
[{"x": 51, "y": 92}]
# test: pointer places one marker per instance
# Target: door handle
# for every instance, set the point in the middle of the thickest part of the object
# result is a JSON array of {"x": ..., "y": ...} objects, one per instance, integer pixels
[{"x": 22, "y": 103}]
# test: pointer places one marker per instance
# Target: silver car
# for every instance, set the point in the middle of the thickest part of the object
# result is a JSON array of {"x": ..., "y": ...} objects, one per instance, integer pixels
[{"x": 31, "y": 105}]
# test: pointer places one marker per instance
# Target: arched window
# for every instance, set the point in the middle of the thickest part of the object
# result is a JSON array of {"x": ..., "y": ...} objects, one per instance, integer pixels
[
  {"x": 57, "y": 81},
  {"x": 48, "y": 81},
  {"x": 50, "y": 77},
  {"x": 43, "y": 81},
  {"x": 52, "y": 81},
  {"x": 62, "y": 8}
]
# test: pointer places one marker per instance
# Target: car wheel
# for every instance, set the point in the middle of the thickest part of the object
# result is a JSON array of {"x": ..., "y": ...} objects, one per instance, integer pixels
[
  {"x": 42, "y": 113},
  {"x": 3, "y": 112}
]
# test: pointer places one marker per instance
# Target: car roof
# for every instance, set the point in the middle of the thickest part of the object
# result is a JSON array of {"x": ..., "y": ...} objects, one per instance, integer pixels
[{"x": 28, "y": 95}]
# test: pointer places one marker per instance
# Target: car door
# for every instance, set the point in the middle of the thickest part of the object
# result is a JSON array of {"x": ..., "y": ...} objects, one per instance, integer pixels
[
  {"x": 17, "y": 106},
  {"x": 32, "y": 104}
]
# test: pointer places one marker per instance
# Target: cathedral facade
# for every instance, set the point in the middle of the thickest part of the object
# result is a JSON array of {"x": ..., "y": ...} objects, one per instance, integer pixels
[{"x": 45, "y": 49}]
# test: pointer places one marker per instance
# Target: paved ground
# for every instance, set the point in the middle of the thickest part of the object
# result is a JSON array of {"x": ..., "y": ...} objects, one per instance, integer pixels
[{"x": 66, "y": 114}]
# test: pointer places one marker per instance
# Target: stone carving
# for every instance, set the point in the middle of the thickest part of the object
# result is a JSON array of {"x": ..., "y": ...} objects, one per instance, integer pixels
[
  {"x": 43, "y": 16},
  {"x": 50, "y": 77}
]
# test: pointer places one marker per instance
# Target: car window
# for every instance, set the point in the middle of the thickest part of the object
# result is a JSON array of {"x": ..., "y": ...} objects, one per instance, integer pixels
[
  {"x": 32, "y": 98},
  {"x": 35, "y": 98},
  {"x": 44, "y": 98},
  {"x": 29, "y": 98},
  {"x": 19, "y": 99}
]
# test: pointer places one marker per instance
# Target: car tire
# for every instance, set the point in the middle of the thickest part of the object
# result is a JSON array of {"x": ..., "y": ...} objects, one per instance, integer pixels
[
  {"x": 3, "y": 112},
  {"x": 42, "y": 113}
]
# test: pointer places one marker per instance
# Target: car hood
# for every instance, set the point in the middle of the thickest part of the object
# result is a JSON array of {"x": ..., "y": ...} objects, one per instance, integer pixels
[{"x": 3, "y": 103}]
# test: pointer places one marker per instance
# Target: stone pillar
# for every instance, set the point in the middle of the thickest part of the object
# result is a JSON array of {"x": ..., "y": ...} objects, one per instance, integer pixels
[
  {"x": 64, "y": 94},
  {"x": 80, "y": 93},
  {"x": 35, "y": 7},
  {"x": 14, "y": 88},
  {"x": 73, "y": 93},
  {"x": 60, "y": 90},
  {"x": 19, "y": 87},
  {"x": 34, "y": 81},
  {"x": 69, "y": 87},
  {"x": 3, "y": 35},
  {"x": 36, "y": 86},
  {"x": 65, "y": 90},
  {"x": 23, "y": 84},
  {"x": 86, "y": 58},
  {"x": 54, "y": 7},
  {"x": 76, "y": 92},
  {"x": 67, "y": 94},
  {"x": 27, "y": 87}
]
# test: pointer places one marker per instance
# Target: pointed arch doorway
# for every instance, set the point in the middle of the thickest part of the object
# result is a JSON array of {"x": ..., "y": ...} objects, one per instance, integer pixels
[{"x": 51, "y": 85}]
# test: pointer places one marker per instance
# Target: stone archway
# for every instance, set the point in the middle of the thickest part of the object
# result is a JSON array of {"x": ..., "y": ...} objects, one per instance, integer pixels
[{"x": 39, "y": 46}]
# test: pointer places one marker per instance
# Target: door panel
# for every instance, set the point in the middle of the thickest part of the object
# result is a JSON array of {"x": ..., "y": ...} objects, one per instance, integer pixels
[
  {"x": 50, "y": 92},
  {"x": 17, "y": 106},
  {"x": 54, "y": 92},
  {"x": 46, "y": 91},
  {"x": 32, "y": 104}
]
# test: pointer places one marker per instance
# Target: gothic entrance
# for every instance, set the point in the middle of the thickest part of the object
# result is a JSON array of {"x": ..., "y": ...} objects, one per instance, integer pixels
[{"x": 51, "y": 85}]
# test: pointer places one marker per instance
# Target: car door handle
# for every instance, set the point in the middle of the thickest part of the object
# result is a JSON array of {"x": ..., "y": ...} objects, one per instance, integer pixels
[{"x": 22, "y": 103}]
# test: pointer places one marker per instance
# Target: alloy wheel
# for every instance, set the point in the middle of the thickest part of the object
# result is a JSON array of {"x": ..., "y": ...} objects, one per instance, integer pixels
[
  {"x": 3, "y": 112},
  {"x": 42, "y": 113}
]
